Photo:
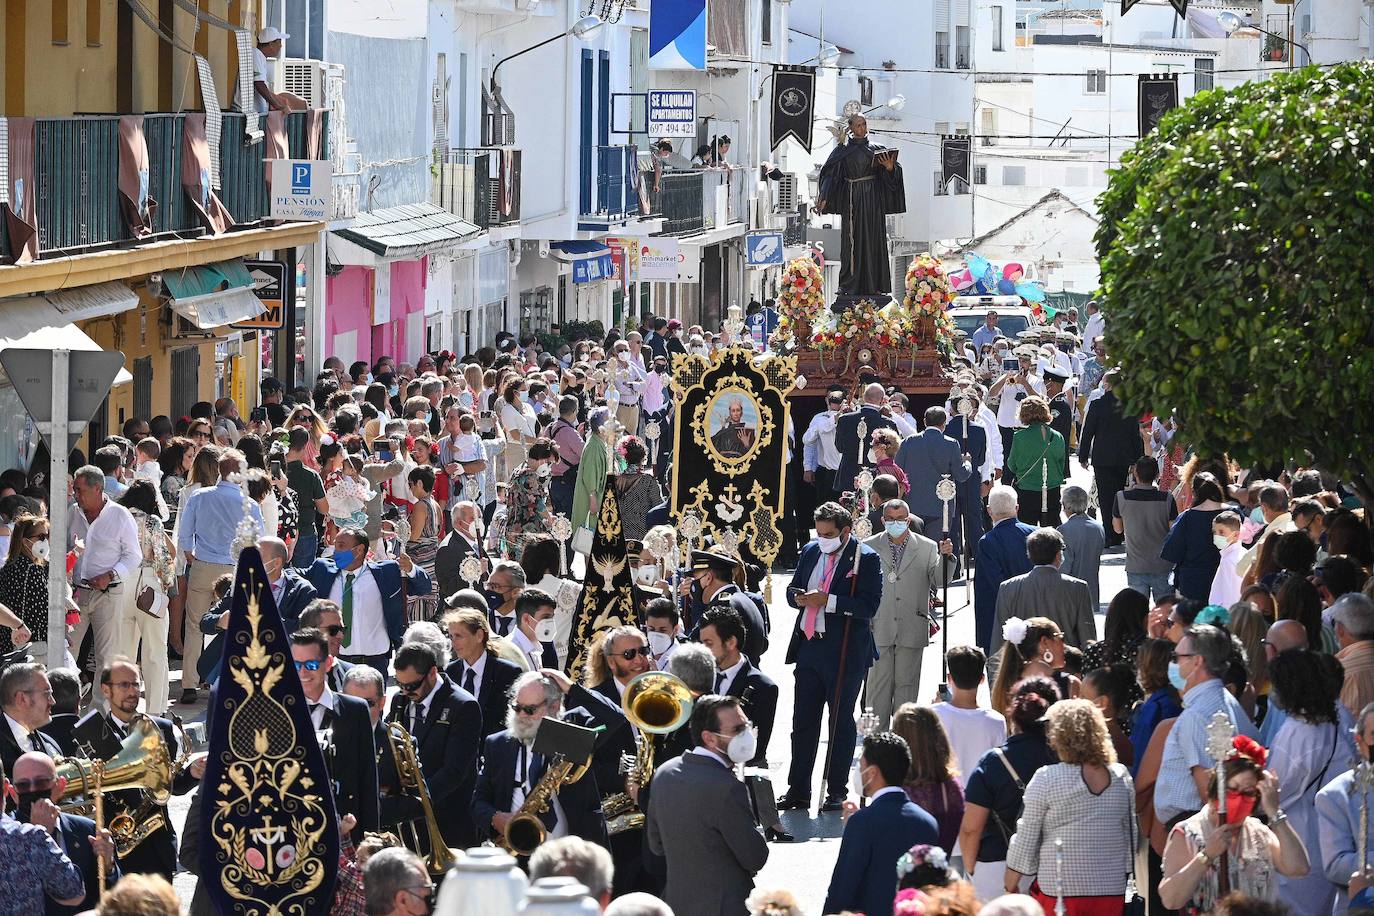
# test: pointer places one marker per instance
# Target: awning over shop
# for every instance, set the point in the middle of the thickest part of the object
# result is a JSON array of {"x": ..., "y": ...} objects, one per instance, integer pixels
[
  {"x": 45, "y": 322},
  {"x": 408, "y": 232},
  {"x": 213, "y": 295},
  {"x": 590, "y": 260}
]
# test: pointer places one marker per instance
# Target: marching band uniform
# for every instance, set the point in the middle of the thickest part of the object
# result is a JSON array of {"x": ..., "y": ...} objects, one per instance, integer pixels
[
  {"x": 489, "y": 680},
  {"x": 351, "y": 756}
]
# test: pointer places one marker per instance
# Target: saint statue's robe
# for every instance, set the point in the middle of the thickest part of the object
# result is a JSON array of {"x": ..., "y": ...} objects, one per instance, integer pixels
[{"x": 862, "y": 193}]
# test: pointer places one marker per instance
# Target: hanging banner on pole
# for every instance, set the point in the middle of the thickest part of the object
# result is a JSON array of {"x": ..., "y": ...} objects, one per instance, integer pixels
[
  {"x": 1157, "y": 94},
  {"x": 677, "y": 35},
  {"x": 956, "y": 158},
  {"x": 794, "y": 92}
]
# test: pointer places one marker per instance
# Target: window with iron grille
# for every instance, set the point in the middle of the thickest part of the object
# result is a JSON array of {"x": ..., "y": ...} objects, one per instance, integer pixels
[
  {"x": 996, "y": 28},
  {"x": 940, "y": 188},
  {"x": 980, "y": 174},
  {"x": 185, "y": 380},
  {"x": 1202, "y": 73},
  {"x": 865, "y": 91},
  {"x": 963, "y": 47},
  {"x": 766, "y": 22},
  {"x": 942, "y": 50},
  {"x": 1096, "y": 82},
  {"x": 143, "y": 387}
]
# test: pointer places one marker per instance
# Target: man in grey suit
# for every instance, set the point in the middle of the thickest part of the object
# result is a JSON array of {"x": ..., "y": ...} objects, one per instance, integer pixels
[
  {"x": 925, "y": 458},
  {"x": 699, "y": 817},
  {"x": 1084, "y": 539},
  {"x": 1046, "y": 592},
  {"x": 901, "y": 629}
]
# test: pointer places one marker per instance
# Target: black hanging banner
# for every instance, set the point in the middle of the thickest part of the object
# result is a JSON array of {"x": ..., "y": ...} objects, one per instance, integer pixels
[
  {"x": 1157, "y": 93},
  {"x": 1126, "y": 6},
  {"x": 794, "y": 90},
  {"x": 956, "y": 158},
  {"x": 1180, "y": 7}
]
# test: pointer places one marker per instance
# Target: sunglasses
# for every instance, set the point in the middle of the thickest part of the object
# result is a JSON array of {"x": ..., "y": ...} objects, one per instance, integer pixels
[
  {"x": 1244, "y": 793},
  {"x": 1175, "y": 656},
  {"x": 309, "y": 665},
  {"x": 629, "y": 654},
  {"x": 522, "y": 709},
  {"x": 43, "y": 784},
  {"x": 410, "y": 687}
]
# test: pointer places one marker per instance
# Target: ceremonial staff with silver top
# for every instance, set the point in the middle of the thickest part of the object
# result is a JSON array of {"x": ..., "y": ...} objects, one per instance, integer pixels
[{"x": 945, "y": 491}]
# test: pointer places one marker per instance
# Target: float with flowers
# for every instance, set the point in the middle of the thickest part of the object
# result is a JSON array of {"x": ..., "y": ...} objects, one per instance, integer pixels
[{"x": 905, "y": 342}]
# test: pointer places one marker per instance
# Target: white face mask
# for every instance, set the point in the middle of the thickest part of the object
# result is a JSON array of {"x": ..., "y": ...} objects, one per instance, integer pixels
[
  {"x": 545, "y": 630},
  {"x": 647, "y": 575},
  {"x": 742, "y": 746},
  {"x": 872, "y": 456},
  {"x": 40, "y": 550},
  {"x": 828, "y": 545},
  {"x": 856, "y": 781},
  {"x": 659, "y": 642},
  {"x": 623, "y": 356},
  {"x": 545, "y": 470},
  {"x": 1220, "y": 541}
]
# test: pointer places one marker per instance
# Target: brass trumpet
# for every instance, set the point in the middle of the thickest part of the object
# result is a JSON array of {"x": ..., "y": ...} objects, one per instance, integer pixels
[
  {"x": 655, "y": 703},
  {"x": 412, "y": 778}
]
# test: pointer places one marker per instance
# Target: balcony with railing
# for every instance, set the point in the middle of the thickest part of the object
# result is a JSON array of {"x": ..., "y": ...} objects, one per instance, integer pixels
[
  {"x": 611, "y": 185},
  {"x": 481, "y": 185},
  {"x": 76, "y": 167},
  {"x": 699, "y": 200}
]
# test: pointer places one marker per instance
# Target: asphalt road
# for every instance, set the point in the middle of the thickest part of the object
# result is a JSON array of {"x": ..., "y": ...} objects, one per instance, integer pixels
[{"x": 804, "y": 866}]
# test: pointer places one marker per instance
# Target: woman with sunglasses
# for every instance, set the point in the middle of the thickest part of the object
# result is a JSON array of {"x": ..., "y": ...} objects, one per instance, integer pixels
[
  {"x": 1312, "y": 747},
  {"x": 1033, "y": 648},
  {"x": 1254, "y": 852},
  {"x": 308, "y": 418}
]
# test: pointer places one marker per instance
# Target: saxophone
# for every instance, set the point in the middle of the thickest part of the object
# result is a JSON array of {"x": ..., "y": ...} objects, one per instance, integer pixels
[
  {"x": 525, "y": 831},
  {"x": 412, "y": 779}
]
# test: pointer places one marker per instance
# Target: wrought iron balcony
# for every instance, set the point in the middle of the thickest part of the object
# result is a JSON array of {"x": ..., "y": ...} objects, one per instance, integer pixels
[
  {"x": 76, "y": 167},
  {"x": 481, "y": 185},
  {"x": 698, "y": 200}
]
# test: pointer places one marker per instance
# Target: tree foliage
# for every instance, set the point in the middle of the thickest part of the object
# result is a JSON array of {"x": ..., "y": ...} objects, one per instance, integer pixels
[{"x": 1237, "y": 261}]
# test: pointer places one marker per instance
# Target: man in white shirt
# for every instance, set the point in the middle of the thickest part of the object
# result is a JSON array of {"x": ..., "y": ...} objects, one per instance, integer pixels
[
  {"x": 906, "y": 423},
  {"x": 26, "y": 700},
  {"x": 270, "y": 46},
  {"x": 820, "y": 456},
  {"x": 535, "y": 628},
  {"x": 630, "y": 380},
  {"x": 972, "y": 730},
  {"x": 660, "y": 626},
  {"x": 1013, "y": 388},
  {"x": 1095, "y": 325},
  {"x": 107, "y": 566},
  {"x": 504, "y": 587}
]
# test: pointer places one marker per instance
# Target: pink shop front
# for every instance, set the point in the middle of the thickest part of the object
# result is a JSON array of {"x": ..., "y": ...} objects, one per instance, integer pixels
[{"x": 378, "y": 273}]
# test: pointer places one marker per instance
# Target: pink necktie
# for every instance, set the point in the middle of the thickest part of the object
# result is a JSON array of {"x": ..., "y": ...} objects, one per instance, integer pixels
[{"x": 809, "y": 620}]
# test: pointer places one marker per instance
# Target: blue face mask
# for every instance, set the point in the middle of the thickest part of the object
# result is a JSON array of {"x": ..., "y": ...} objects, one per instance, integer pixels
[
  {"x": 343, "y": 558},
  {"x": 394, "y": 390},
  {"x": 897, "y": 529},
  {"x": 1257, "y": 516},
  {"x": 495, "y": 600},
  {"x": 1176, "y": 677}
]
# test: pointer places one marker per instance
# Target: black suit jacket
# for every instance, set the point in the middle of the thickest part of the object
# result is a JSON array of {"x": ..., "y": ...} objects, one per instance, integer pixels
[
  {"x": 157, "y": 853},
  {"x": 453, "y": 550},
  {"x": 1109, "y": 438},
  {"x": 10, "y": 751},
  {"x": 76, "y": 842},
  {"x": 296, "y": 594},
  {"x": 497, "y": 677},
  {"x": 352, "y": 758},
  {"x": 758, "y": 695},
  {"x": 448, "y": 745},
  {"x": 337, "y": 672},
  {"x": 60, "y": 730},
  {"x": 853, "y": 453},
  {"x": 755, "y": 624}
]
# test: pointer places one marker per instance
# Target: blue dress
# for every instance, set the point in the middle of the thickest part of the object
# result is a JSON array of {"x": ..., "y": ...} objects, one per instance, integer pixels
[{"x": 1188, "y": 546}]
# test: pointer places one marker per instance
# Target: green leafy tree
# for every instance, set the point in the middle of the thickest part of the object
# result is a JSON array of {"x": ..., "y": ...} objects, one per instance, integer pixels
[{"x": 1238, "y": 272}]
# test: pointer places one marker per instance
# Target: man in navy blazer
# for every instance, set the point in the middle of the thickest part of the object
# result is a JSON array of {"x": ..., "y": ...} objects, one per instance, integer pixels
[
  {"x": 852, "y": 447},
  {"x": 291, "y": 592},
  {"x": 1001, "y": 555},
  {"x": 925, "y": 458},
  {"x": 477, "y": 668},
  {"x": 836, "y": 589},
  {"x": 973, "y": 441},
  {"x": 509, "y": 762},
  {"x": 448, "y": 735},
  {"x": 370, "y": 593},
  {"x": 875, "y": 837}
]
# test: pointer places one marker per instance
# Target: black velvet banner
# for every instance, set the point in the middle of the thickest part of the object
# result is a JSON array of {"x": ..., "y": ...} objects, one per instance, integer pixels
[
  {"x": 1158, "y": 93},
  {"x": 956, "y": 158},
  {"x": 794, "y": 90}
]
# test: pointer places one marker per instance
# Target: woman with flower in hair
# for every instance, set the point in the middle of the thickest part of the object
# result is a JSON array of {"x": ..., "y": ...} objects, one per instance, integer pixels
[
  {"x": 1033, "y": 648},
  {"x": 527, "y": 501},
  {"x": 635, "y": 491},
  {"x": 1077, "y": 830},
  {"x": 1254, "y": 852},
  {"x": 1312, "y": 747}
]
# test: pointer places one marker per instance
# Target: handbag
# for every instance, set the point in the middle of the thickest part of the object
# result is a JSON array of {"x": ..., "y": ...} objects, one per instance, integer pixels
[
  {"x": 582, "y": 541},
  {"x": 146, "y": 596}
]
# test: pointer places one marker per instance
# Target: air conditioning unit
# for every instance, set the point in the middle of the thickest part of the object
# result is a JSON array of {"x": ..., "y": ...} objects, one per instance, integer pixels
[
  {"x": 310, "y": 79},
  {"x": 785, "y": 193}
]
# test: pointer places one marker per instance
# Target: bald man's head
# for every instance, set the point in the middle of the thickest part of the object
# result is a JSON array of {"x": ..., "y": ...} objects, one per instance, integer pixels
[
  {"x": 1284, "y": 635},
  {"x": 34, "y": 765},
  {"x": 34, "y": 774},
  {"x": 875, "y": 394}
]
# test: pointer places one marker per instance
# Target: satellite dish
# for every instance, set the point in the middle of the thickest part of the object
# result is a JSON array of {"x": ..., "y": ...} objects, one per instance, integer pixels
[{"x": 853, "y": 107}]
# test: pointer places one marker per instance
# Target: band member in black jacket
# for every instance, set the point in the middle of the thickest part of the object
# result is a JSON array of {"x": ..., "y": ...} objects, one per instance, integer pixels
[{"x": 477, "y": 668}]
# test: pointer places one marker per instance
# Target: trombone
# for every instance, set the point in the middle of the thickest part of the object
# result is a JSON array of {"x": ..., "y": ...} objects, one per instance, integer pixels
[
  {"x": 141, "y": 763},
  {"x": 655, "y": 703},
  {"x": 412, "y": 778}
]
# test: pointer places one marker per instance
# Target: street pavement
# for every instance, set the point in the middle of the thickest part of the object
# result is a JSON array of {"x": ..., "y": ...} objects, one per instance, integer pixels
[{"x": 803, "y": 867}]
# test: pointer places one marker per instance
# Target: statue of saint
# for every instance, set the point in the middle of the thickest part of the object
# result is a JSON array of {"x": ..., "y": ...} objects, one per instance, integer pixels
[{"x": 861, "y": 182}]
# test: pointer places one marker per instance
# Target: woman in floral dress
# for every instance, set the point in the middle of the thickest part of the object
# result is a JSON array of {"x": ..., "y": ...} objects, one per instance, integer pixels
[{"x": 527, "y": 502}]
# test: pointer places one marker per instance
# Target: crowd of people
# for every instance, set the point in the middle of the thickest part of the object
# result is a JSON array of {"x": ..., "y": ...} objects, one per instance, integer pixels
[{"x": 424, "y": 533}]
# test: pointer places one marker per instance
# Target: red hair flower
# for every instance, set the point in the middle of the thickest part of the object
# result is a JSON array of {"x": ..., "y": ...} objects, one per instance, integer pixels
[{"x": 1250, "y": 749}]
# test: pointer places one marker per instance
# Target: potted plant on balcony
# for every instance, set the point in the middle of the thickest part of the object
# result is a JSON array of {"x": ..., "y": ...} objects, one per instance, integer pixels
[{"x": 801, "y": 297}]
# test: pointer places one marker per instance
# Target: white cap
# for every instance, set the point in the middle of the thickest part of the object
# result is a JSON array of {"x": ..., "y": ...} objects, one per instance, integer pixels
[{"x": 271, "y": 34}]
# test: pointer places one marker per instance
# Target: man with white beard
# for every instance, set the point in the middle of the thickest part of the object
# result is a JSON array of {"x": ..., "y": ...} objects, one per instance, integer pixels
[{"x": 511, "y": 768}]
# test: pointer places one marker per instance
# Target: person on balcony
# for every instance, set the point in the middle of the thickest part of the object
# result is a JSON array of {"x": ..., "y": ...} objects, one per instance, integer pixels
[{"x": 270, "y": 46}]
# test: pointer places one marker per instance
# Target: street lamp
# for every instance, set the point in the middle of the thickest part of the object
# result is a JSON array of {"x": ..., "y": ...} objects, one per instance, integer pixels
[
  {"x": 584, "y": 29},
  {"x": 1231, "y": 23}
]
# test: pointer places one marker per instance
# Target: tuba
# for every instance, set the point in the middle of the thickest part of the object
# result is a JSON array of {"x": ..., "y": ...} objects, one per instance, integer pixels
[
  {"x": 655, "y": 703},
  {"x": 441, "y": 857},
  {"x": 526, "y": 832}
]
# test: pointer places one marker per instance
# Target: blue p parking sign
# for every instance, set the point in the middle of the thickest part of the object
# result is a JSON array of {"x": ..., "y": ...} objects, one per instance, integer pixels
[{"x": 300, "y": 178}]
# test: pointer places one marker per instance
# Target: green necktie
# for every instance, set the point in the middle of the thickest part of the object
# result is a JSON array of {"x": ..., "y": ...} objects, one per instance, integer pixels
[{"x": 347, "y": 605}]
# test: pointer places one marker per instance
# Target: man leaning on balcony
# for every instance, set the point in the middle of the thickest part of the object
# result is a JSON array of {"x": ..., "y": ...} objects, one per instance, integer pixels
[{"x": 269, "y": 45}]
